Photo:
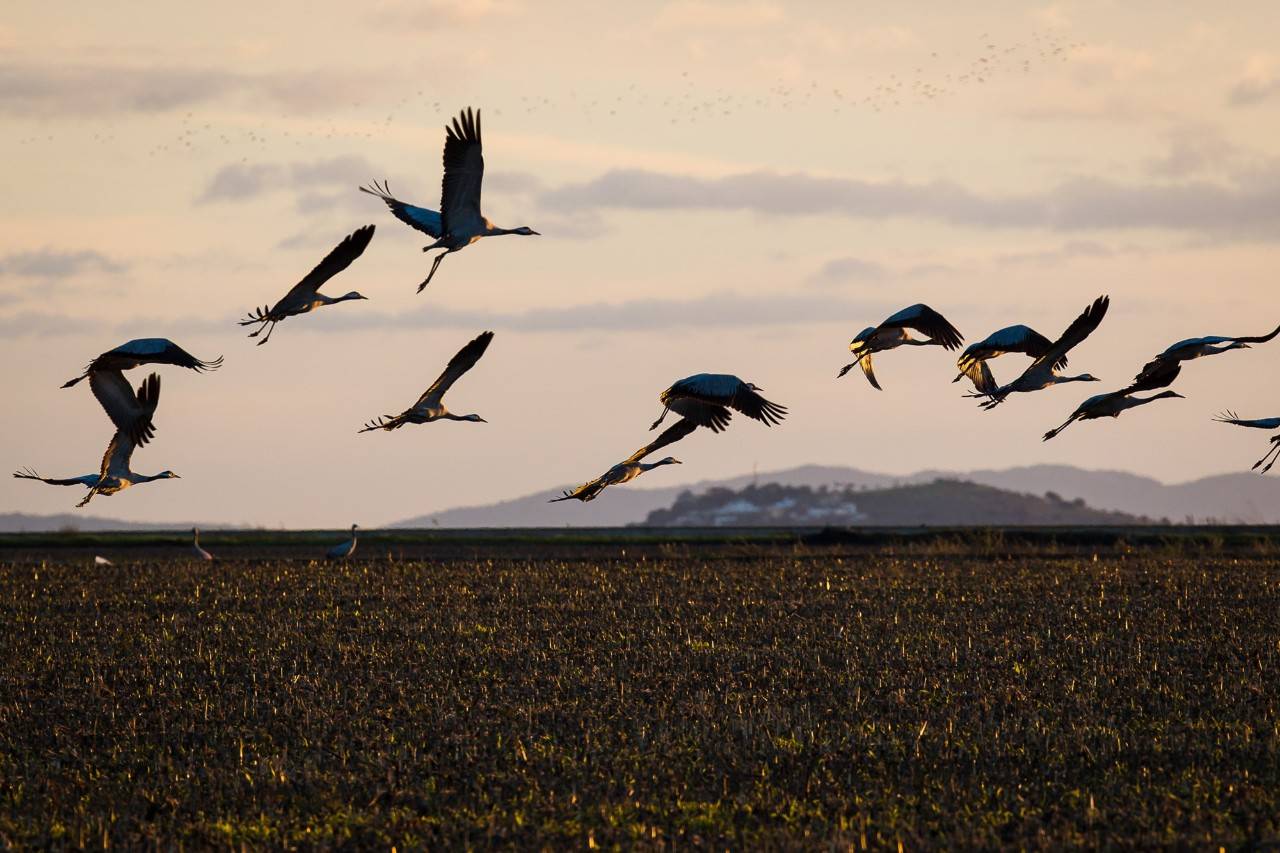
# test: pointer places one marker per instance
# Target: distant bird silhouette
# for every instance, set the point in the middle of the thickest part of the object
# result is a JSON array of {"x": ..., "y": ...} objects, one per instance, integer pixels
[
  {"x": 892, "y": 333},
  {"x": 114, "y": 475},
  {"x": 196, "y": 551},
  {"x": 344, "y": 550},
  {"x": 305, "y": 296},
  {"x": 1257, "y": 423},
  {"x": 1020, "y": 339},
  {"x": 1108, "y": 406},
  {"x": 459, "y": 222},
  {"x": 632, "y": 467},
  {"x": 430, "y": 406},
  {"x": 1165, "y": 367},
  {"x": 705, "y": 399},
  {"x": 1041, "y": 374}
]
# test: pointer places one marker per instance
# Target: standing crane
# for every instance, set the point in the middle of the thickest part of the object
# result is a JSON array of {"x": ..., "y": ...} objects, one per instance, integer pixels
[
  {"x": 459, "y": 222},
  {"x": 430, "y": 406},
  {"x": 305, "y": 296},
  {"x": 893, "y": 333},
  {"x": 196, "y": 551},
  {"x": 345, "y": 549}
]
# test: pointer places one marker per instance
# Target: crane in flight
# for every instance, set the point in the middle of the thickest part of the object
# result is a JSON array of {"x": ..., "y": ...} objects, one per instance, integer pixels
[
  {"x": 1160, "y": 371},
  {"x": 893, "y": 333},
  {"x": 1272, "y": 454},
  {"x": 459, "y": 222},
  {"x": 1020, "y": 339},
  {"x": 115, "y": 475},
  {"x": 430, "y": 406},
  {"x": 106, "y": 380},
  {"x": 633, "y": 466},
  {"x": 706, "y": 398},
  {"x": 1042, "y": 373},
  {"x": 1108, "y": 406},
  {"x": 305, "y": 296}
]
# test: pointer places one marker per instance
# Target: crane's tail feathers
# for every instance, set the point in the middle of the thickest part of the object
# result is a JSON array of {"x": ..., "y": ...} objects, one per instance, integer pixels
[
  {"x": 383, "y": 192},
  {"x": 82, "y": 376},
  {"x": 205, "y": 366}
]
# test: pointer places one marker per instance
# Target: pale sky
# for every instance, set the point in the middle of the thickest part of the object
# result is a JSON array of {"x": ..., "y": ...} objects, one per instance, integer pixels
[{"x": 732, "y": 188}]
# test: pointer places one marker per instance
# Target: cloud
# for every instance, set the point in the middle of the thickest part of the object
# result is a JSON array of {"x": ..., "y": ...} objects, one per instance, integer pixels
[
  {"x": 722, "y": 310},
  {"x": 1068, "y": 251},
  {"x": 415, "y": 16},
  {"x": 1249, "y": 203},
  {"x": 244, "y": 181},
  {"x": 842, "y": 270},
  {"x": 1259, "y": 83},
  {"x": 84, "y": 90},
  {"x": 1195, "y": 150},
  {"x": 53, "y": 264}
]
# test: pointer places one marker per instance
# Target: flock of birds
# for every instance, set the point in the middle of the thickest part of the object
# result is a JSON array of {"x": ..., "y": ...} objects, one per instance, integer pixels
[{"x": 702, "y": 400}]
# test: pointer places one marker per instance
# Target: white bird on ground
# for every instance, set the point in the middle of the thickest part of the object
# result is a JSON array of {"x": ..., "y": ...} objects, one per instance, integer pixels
[
  {"x": 632, "y": 467},
  {"x": 196, "y": 551},
  {"x": 1257, "y": 423},
  {"x": 305, "y": 296},
  {"x": 1165, "y": 367},
  {"x": 1108, "y": 406},
  {"x": 705, "y": 399},
  {"x": 1020, "y": 339},
  {"x": 430, "y": 406},
  {"x": 99, "y": 560},
  {"x": 346, "y": 549},
  {"x": 459, "y": 222},
  {"x": 1041, "y": 374},
  {"x": 115, "y": 394},
  {"x": 892, "y": 333},
  {"x": 115, "y": 475}
]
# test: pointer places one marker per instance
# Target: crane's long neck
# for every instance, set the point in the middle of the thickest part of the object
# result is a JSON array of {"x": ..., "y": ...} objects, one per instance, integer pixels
[
  {"x": 649, "y": 466},
  {"x": 1142, "y": 401},
  {"x": 1083, "y": 377}
]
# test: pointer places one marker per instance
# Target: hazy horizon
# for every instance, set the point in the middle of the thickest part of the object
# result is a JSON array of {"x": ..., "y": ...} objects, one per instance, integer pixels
[{"x": 721, "y": 188}]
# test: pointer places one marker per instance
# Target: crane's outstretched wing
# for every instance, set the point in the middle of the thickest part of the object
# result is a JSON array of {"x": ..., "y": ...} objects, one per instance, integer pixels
[
  {"x": 928, "y": 322},
  {"x": 1230, "y": 417},
  {"x": 1157, "y": 373},
  {"x": 458, "y": 365},
  {"x": 463, "y": 174},
  {"x": 341, "y": 257},
  {"x": 146, "y": 351},
  {"x": 429, "y": 222},
  {"x": 980, "y": 375},
  {"x": 702, "y": 397},
  {"x": 129, "y": 411},
  {"x": 1080, "y": 328},
  {"x": 1021, "y": 339},
  {"x": 670, "y": 435}
]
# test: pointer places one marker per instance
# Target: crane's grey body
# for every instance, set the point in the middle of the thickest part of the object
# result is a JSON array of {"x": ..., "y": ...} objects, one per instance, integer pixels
[
  {"x": 430, "y": 406},
  {"x": 633, "y": 466},
  {"x": 196, "y": 551},
  {"x": 1108, "y": 406},
  {"x": 305, "y": 296},
  {"x": 344, "y": 550},
  {"x": 1024, "y": 340},
  {"x": 893, "y": 333}
]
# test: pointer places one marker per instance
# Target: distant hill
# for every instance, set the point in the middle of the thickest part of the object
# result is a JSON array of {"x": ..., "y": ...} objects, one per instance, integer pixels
[
  {"x": 939, "y": 503},
  {"x": 21, "y": 522},
  {"x": 1228, "y": 498}
]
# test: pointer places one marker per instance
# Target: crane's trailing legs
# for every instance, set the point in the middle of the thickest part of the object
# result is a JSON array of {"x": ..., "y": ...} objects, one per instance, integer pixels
[
  {"x": 1274, "y": 453},
  {"x": 435, "y": 264}
]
